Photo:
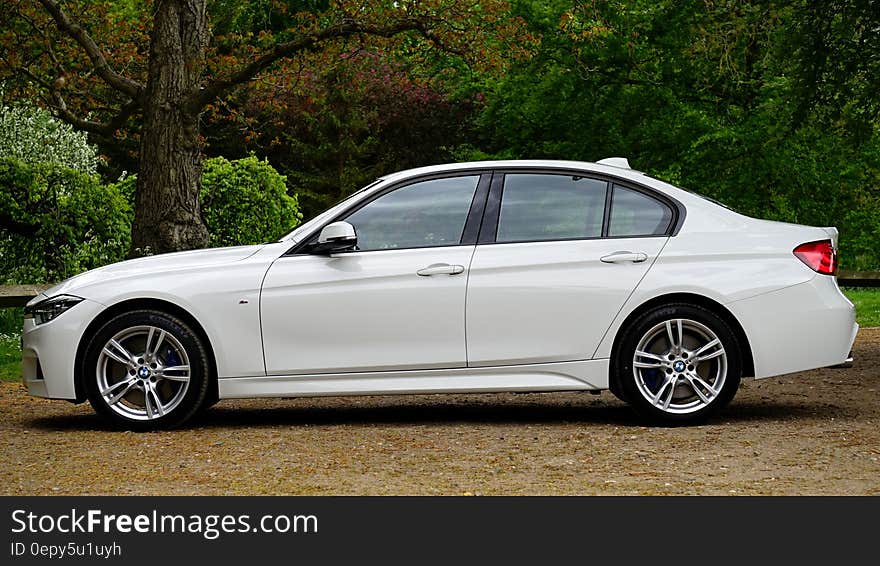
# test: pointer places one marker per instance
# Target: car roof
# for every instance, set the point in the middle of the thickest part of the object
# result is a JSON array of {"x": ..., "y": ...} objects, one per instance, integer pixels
[
  {"x": 517, "y": 164},
  {"x": 612, "y": 167}
]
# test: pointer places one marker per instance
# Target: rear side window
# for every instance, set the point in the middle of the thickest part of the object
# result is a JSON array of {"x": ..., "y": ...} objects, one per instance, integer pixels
[
  {"x": 637, "y": 214},
  {"x": 536, "y": 207}
]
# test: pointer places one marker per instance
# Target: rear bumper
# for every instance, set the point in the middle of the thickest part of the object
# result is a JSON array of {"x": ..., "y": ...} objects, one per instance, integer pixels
[
  {"x": 847, "y": 363},
  {"x": 805, "y": 326}
]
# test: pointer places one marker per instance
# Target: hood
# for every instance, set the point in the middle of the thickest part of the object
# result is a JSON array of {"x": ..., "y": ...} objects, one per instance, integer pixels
[{"x": 161, "y": 263}]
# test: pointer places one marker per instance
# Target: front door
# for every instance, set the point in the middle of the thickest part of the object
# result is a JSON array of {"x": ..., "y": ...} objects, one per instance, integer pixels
[{"x": 396, "y": 303}]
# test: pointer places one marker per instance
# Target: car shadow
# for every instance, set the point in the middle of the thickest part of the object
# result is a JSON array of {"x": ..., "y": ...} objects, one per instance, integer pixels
[{"x": 594, "y": 413}]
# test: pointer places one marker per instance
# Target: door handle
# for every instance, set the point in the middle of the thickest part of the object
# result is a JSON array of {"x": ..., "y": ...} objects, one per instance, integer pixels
[
  {"x": 441, "y": 269},
  {"x": 621, "y": 257}
]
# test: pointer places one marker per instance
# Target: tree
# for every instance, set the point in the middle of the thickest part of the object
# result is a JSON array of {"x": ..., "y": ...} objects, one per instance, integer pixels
[
  {"x": 51, "y": 51},
  {"x": 359, "y": 115},
  {"x": 769, "y": 107}
]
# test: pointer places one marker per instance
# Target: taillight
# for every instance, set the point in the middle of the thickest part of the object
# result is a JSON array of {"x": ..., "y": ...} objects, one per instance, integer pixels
[{"x": 819, "y": 256}]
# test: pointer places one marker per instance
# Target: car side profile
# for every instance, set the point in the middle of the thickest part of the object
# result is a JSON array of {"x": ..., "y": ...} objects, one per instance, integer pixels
[{"x": 471, "y": 277}]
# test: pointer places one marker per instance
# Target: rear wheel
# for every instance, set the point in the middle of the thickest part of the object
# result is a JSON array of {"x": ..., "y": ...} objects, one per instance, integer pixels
[
  {"x": 146, "y": 370},
  {"x": 678, "y": 363}
]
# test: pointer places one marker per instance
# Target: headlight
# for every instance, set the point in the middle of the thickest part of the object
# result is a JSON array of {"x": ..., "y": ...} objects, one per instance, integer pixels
[{"x": 44, "y": 311}]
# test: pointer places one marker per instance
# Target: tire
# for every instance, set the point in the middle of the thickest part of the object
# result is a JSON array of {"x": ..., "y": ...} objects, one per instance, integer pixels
[
  {"x": 152, "y": 368},
  {"x": 662, "y": 384}
]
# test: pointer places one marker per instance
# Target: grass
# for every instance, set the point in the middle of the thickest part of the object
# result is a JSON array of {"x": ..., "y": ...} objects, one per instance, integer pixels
[
  {"x": 10, "y": 347},
  {"x": 10, "y": 358},
  {"x": 867, "y": 302}
]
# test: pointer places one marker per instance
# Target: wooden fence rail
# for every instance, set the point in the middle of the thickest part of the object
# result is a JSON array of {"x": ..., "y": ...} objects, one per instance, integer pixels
[
  {"x": 858, "y": 278},
  {"x": 19, "y": 295}
]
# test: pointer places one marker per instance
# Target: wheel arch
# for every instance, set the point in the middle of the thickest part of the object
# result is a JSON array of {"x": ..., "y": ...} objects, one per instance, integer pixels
[
  {"x": 129, "y": 305},
  {"x": 746, "y": 356}
]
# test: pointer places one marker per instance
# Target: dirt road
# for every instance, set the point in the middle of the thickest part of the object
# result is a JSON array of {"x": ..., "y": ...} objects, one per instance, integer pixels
[{"x": 812, "y": 433}]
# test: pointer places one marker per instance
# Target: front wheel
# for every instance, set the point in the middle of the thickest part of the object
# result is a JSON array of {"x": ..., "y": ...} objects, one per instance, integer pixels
[
  {"x": 146, "y": 370},
  {"x": 678, "y": 363}
]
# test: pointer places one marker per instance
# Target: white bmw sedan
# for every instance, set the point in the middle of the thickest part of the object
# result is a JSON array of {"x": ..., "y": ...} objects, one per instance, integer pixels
[{"x": 472, "y": 277}]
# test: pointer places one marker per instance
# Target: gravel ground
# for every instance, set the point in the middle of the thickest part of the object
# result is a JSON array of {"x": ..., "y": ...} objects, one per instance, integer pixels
[{"x": 812, "y": 433}]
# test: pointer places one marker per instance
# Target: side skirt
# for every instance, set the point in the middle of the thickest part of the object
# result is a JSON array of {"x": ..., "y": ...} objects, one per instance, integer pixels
[{"x": 583, "y": 375}]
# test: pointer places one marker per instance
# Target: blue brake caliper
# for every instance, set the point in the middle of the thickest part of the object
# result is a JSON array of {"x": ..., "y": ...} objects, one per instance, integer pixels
[
  {"x": 171, "y": 357},
  {"x": 653, "y": 378}
]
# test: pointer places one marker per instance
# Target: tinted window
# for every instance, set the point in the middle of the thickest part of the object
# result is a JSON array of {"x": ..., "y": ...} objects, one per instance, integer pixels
[
  {"x": 636, "y": 214},
  {"x": 550, "y": 207},
  {"x": 425, "y": 214}
]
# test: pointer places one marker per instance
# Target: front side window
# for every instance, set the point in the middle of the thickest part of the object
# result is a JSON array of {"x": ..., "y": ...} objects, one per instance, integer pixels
[
  {"x": 637, "y": 214},
  {"x": 423, "y": 214},
  {"x": 538, "y": 207}
]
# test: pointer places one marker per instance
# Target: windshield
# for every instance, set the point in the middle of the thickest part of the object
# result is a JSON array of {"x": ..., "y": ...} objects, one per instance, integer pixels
[{"x": 308, "y": 224}]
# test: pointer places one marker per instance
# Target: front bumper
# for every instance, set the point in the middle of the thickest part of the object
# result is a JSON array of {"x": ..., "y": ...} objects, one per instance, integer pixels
[{"x": 48, "y": 351}]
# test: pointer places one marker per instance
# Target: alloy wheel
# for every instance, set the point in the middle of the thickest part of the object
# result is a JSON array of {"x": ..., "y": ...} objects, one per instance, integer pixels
[
  {"x": 680, "y": 366},
  {"x": 143, "y": 373}
]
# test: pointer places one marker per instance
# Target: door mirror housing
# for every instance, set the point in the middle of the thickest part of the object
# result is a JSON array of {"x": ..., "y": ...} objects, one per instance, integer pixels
[{"x": 336, "y": 237}]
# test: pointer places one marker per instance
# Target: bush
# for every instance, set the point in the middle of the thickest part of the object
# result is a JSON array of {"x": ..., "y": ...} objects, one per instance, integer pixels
[
  {"x": 58, "y": 222},
  {"x": 32, "y": 135},
  {"x": 806, "y": 177},
  {"x": 246, "y": 202}
]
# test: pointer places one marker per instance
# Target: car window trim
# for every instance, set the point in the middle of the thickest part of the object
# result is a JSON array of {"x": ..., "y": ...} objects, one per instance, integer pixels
[
  {"x": 474, "y": 222},
  {"x": 492, "y": 210},
  {"x": 475, "y": 211},
  {"x": 606, "y": 214},
  {"x": 493, "y": 205}
]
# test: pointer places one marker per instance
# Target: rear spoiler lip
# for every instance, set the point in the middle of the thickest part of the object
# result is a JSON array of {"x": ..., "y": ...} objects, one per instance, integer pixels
[{"x": 833, "y": 233}]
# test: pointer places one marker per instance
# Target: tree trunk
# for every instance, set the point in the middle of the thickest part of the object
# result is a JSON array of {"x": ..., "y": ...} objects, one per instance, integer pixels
[{"x": 167, "y": 212}]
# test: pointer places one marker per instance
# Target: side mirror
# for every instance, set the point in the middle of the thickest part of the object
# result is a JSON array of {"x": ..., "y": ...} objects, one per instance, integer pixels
[{"x": 336, "y": 237}]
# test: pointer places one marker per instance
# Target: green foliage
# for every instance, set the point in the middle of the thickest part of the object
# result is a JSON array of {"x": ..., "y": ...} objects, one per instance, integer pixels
[
  {"x": 11, "y": 320},
  {"x": 32, "y": 135},
  {"x": 770, "y": 107},
  {"x": 836, "y": 63},
  {"x": 10, "y": 357},
  {"x": 806, "y": 177},
  {"x": 245, "y": 201},
  {"x": 237, "y": 18},
  {"x": 867, "y": 302},
  {"x": 708, "y": 96},
  {"x": 360, "y": 115},
  {"x": 10, "y": 348},
  {"x": 58, "y": 222}
]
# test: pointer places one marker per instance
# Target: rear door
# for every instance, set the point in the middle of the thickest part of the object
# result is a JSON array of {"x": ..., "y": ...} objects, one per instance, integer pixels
[{"x": 558, "y": 255}]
